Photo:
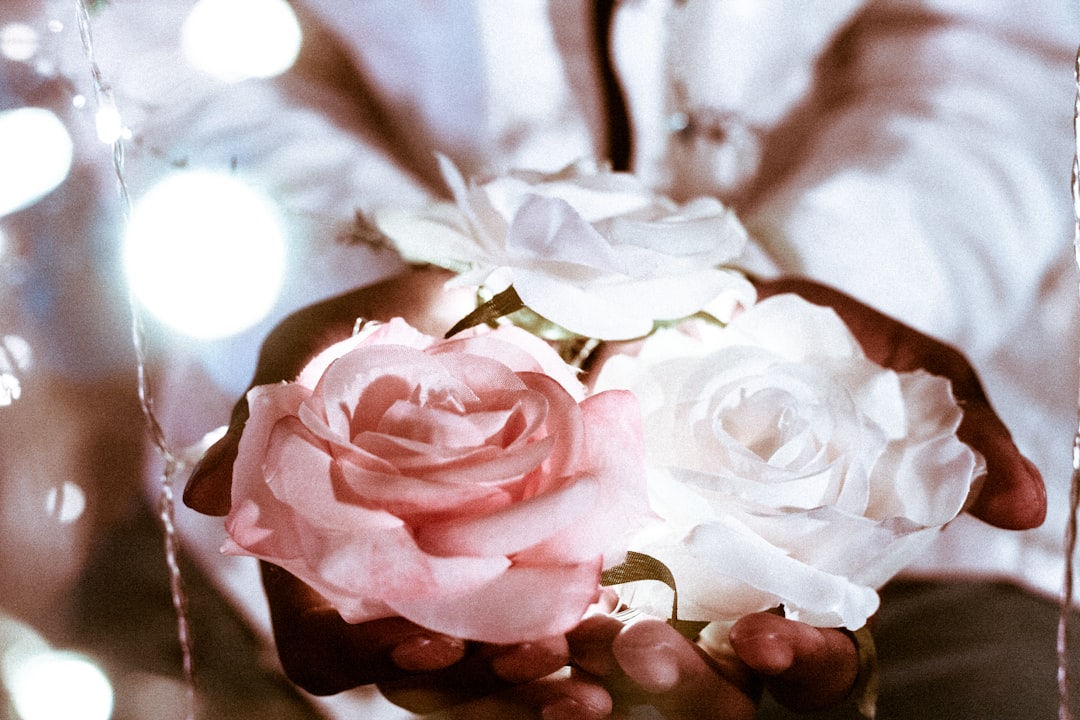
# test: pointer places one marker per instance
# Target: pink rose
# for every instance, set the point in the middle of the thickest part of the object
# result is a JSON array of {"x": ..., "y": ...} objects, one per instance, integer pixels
[{"x": 464, "y": 484}]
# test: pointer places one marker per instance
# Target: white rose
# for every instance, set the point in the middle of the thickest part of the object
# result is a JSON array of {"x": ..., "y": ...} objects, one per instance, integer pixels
[
  {"x": 789, "y": 469},
  {"x": 594, "y": 252}
]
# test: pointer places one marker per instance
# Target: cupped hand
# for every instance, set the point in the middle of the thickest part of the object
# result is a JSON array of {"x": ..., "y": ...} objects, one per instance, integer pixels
[
  {"x": 616, "y": 666},
  {"x": 319, "y": 651},
  {"x": 1012, "y": 495},
  {"x": 415, "y": 668},
  {"x": 647, "y": 662}
]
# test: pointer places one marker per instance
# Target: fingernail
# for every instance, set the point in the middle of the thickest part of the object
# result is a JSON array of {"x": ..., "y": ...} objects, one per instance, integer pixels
[
  {"x": 515, "y": 665},
  {"x": 422, "y": 653},
  {"x": 663, "y": 673},
  {"x": 647, "y": 657},
  {"x": 593, "y": 655},
  {"x": 772, "y": 654}
]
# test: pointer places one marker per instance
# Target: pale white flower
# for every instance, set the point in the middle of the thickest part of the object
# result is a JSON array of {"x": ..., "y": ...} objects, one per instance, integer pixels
[
  {"x": 789, "y": 469},
  {"x": 592, "y": 251}
]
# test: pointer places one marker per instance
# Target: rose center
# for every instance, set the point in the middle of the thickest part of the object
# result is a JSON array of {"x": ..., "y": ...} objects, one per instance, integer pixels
[{"x": 769, "y": 423}]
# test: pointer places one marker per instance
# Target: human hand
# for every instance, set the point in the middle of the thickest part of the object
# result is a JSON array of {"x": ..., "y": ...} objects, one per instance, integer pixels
[
  {"x": 649, "y": 663},
  {"x": 806, "y": 668},
  {"x": 1012, "y": 495},
  {"x": 617, "y": 668},
  {"x": 319, "y": 651},
  {"x": 415, "y": 667},
  {"x": 326, "y": 655}
]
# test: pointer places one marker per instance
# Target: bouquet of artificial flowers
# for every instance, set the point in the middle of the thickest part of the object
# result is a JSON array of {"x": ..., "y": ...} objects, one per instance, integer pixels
[{"x": 477, "y": 486}]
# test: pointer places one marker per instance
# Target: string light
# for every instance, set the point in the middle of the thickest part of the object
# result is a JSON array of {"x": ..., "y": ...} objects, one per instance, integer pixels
[
  {"x": 239, "y": 39},
  {"x": 205, "y": 253},
  {"x": 36, "y": 151},
  {"x": 109, "y": 124}
]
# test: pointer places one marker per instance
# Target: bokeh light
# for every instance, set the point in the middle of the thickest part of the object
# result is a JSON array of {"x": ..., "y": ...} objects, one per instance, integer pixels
[
  {"x": 205, "y": 253},
  {"x": 65, "y": 502},
  {"x": 56, "y": 685},
  {"x": 10, "y": 389},
  {"x": 15, "y": 353},
  {"x": 109, "y": 124},
  {"x": 15, "y": 359},
  {"x": 18, "y": 41},
  {"x": 239, "y": 39},
  {"x": 46, "y": 684},
  {"x": 35, "y": 153}
]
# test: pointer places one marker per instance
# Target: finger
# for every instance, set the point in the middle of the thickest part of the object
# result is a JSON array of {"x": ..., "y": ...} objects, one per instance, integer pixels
[
  {"x": 486, "y": 670},
  {"x": 209, "y": 488},
  {"x": 806, "y": 668},
  {"x": 590, "y": 644},
  {"x": 680, "y": 680},
  {"x": 560, "y": 697},
  {"x": 528, "y": 661},
  {"x": 1013, "y": 495},
  {"x": 323, "y": 654}
]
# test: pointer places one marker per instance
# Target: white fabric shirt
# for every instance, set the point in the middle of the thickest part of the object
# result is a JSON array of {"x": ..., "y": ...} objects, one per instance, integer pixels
[{"x": 913, "y": 153}]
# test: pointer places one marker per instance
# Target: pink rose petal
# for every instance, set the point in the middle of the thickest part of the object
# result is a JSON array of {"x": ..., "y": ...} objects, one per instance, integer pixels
[
  {"x": 523, "y": 604},
  {"x": 411, "y": 475},
  {"x": 513, "y": 528}
]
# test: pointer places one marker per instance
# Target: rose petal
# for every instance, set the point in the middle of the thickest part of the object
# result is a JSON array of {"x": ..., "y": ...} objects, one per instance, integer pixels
[
  {"x": 520, "y": 351},
  {"x": 840, "y": 543},
  {"x": 395, "y": 332},
  {"x": 809, "y": 595},
  {"x": 441, "y": 236},
  {"x": 549, "y": 230},
  {"x": 794, "y": 329},
  {"x": 523, "y": 604},
  {"x": 578, "y": 310},
  {"x": 616, "y": 459},
  {"x": 417, "y": 501},
  {"x": 360, "y": 388},
  {"x": 711, "y": 231},
  {"x": 515, "y": 527},
  {"x": 673, "y": 296}
]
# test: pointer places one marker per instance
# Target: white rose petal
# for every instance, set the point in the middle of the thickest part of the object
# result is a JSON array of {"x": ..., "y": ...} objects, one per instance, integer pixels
[
  {"x": 789, "y": 469},
  {"x": 594, "y": 252}
]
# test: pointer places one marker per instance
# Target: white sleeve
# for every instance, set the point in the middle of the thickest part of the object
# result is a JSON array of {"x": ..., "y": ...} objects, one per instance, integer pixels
[{"x": 934, "y": 183}]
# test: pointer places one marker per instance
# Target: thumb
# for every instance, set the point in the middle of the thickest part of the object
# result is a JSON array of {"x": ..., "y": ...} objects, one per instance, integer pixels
[
  {"x": 806, "y": 668},
  {"x": 209, "y": 488}
]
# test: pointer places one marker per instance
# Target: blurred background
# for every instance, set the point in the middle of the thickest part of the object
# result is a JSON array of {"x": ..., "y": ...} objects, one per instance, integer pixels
[{"x": 88, "y": 629}]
